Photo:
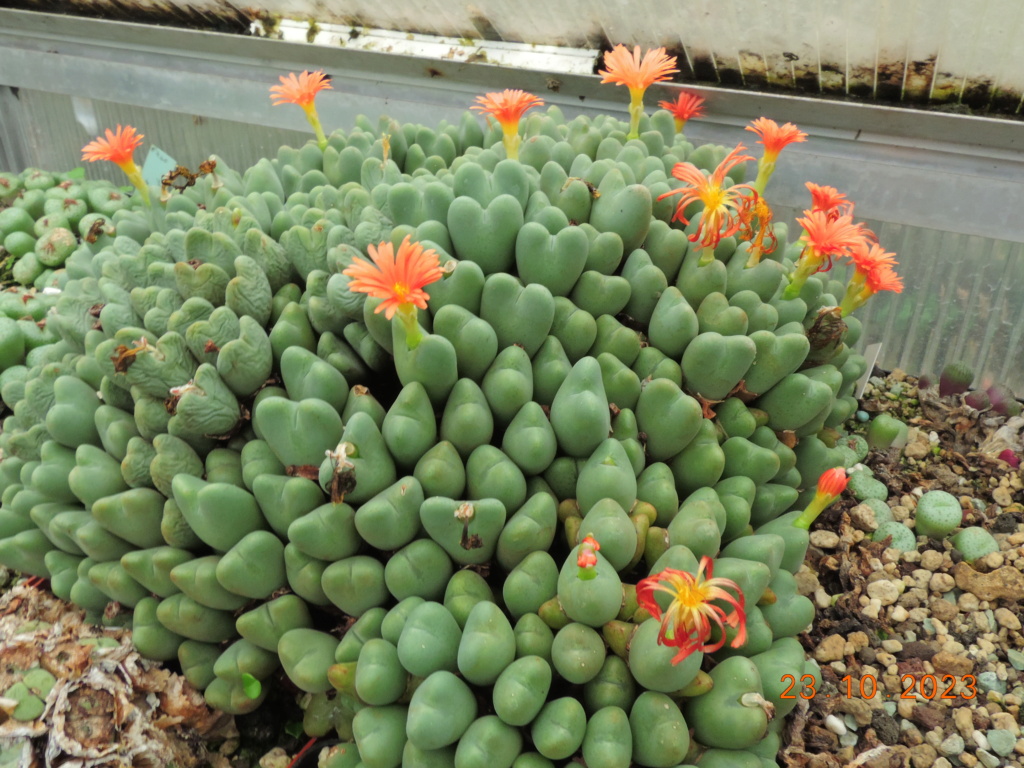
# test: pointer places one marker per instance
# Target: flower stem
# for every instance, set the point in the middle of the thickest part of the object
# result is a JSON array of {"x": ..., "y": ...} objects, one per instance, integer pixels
[
  {"x": 764, "y": 174},
  {"x": 809, "y": 515},
  {"x": 413, "y": 333},
  {"x": 134, "y": 174},
  {"x": 636, "y": 111},
  {"x": 511, "y": 140},
  {"x": 314, "y": 120}
]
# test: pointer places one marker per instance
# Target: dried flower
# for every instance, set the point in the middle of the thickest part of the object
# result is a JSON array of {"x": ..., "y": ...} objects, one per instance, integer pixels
[
  {"x": 831, "y": 485},
  {"x": 397, "y": 279},
  {"x": 637, "y": 74},
  {"x": 686, "y": 107},
  {"x": 302, "y": 90},
  {"x": 507, "y": 108},
  {"x": 775, "y": 138},
  {"x": 587, "y": 558},
  {"x": 118, "y": 148},
  {"x": 687, "y": 622},
  {"x": 725, "y": 208}
]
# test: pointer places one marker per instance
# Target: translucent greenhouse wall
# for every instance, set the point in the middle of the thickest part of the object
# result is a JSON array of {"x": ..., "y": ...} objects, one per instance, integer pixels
[{"x": 940, "y": 189}]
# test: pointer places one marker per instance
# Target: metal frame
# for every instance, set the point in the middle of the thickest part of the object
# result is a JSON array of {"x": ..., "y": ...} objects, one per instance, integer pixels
[
  {"x": 944, "y": 171},
  {"x": 939, "y": 189}
]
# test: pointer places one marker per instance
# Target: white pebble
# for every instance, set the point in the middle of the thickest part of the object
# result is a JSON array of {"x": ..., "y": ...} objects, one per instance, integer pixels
[{"x": 834, "y": 724}]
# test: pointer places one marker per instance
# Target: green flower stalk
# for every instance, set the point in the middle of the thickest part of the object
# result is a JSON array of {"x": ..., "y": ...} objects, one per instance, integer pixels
[
  {"x": 831, "y": 485},
  {"x": 302, "y": 90},
  {"x": 637, "y": 74}
]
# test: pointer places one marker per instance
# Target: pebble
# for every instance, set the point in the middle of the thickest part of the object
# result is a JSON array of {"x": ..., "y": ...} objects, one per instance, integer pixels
[
  {"x": 931, "y": 560},
  {"x": 1002, "y": 496},
  {"x": 1007, "y": 618},
  {"x": 850, "y": 722},
  {"x": 824, "y": 539},
  {"x": 988, "y": 759},
  {"x": 892, "y": 646},
  {"x": 941, "y": 582},
  {"x": 989, "y": 681},
  {"x": 943, "y": 763},
  {"x": 848, "y": 739},
  {"x": 979, "y": 739},
  {"x": 1005, "y": 721},
  {"x": 952, "y": 746},
  {"x": 1002, "y": 742},
  {"x": 1005, "y": 582},
  {"x": 835, "y": 725},
  {"x": 963, "y": 720},
  {"x": 890, "y": 707},
  {"x": 923, "y": 756},
  {"x": 830, "y": 649},
  {"x": 885, "y": 591},
  {"x": 900, "y": 614},
  {"x": 863, "y": 416}
]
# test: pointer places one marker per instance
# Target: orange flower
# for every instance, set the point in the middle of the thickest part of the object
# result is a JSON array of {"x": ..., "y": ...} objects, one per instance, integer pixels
[
  {"x": 299, "y": 90},
  {"x": 883, "y": 278},
  {"x": 118, "y": 147},
  {"x": 725, "y": 208},
  {"x": 628, "y": 69},
  {"x": 507, "y": 107},
  {"x": 867, "y": 255},
  {"x": 686, "y": 107},
  {"x": 831, "y": 485},
  {"x": 302, "y": 90},
  {"x": 399, "y": 280},
  {"x": 827, "y": 238},
  {"x": 586, "y": 559},
  {"x": 686, "y": 623},
  {"x": 775, "y": 137},
  {"x": 830, "y": 200}
]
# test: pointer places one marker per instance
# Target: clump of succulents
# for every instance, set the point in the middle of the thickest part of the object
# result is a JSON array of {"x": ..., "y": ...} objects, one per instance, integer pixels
[{"x": 548, "y": 455}]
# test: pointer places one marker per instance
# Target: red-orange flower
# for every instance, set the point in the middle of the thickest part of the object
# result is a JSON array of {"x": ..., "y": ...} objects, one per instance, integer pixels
[
  {"x": 586, "y": 559},
  {"x": 634, "y": 72},
  {"x": 725, "y": 208},
  {"x": 687, "y": 622},
  {"x": 832, "y": 483},
  {"x": 883, "y": 278},
  {"x": 830, "y": 200},
  {"x": 507, "y": 107},
  {"x": 117, "y": 147},
  {"x": 301, "y": 89},
  {"x": 398, "y": 279},
  {"x": 685, "y": 107},
  {"x": 867, "y": 255},
  {"x": 828, "y": 238},
  {"x": 775, "y": 137}
]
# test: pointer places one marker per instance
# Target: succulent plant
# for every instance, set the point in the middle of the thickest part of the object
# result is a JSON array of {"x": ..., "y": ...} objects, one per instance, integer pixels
[
  {"x": 938, "y": 514},
  {"x": 511, "y": 446},
  {"x": 955, "y": 379}
]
